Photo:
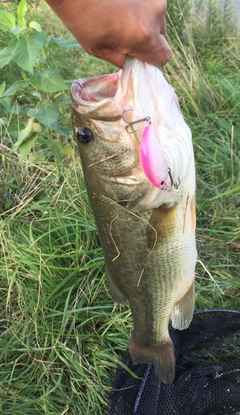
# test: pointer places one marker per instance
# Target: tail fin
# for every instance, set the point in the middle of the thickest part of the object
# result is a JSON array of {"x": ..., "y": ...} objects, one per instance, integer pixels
[{"x": 160, "y": 355}]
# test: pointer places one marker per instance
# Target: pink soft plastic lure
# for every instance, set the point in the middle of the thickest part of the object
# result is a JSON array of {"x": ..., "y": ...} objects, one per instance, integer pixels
[{"x": 153, "y": 161}]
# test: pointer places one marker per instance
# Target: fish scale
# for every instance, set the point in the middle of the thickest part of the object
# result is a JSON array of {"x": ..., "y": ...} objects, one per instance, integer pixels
[{"x": 147, "y": 233}]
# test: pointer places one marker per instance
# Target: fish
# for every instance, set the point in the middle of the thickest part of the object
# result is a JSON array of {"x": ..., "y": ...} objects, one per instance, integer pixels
[{"x": 138, "y": 165}]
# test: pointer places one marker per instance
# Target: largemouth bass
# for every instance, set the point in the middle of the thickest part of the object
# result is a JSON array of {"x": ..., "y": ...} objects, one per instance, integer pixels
[{"x": 140, "y": 179}]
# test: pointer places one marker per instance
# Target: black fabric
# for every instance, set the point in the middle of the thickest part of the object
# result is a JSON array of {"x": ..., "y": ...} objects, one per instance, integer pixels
[{"x": 207, "y": 378}]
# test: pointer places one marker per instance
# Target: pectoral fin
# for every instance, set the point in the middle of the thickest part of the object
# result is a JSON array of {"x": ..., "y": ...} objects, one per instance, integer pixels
[{"x": 162, "y": 226}]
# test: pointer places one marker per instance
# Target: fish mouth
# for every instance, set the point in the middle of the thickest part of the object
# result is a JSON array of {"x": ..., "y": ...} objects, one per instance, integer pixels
[
  {"x": 96, "y": 89},
  {"x": 94, "y": 98}
]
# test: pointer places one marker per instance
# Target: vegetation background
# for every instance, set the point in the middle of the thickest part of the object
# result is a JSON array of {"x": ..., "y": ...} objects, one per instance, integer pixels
[{"x": 61, "y": 336}]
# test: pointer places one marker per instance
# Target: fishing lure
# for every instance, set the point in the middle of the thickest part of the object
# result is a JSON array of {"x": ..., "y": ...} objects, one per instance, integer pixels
[{"x": 153, "y": 160}]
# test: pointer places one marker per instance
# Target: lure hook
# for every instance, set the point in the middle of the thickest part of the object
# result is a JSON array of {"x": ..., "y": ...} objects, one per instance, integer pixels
[
  {"x": 130, "y": 124},
  {"x": 176, "y": 185}
]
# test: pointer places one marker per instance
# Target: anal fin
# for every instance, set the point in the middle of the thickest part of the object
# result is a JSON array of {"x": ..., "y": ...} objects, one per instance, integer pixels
[{"x": 183, "y": 310}]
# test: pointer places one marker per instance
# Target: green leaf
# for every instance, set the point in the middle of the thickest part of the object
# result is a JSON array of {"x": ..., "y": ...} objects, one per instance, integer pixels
[
  {"x": 16, "y": 87},
  {"x": 7, "y": 20},
  {"x": 2, "y": 87},
  {"x": 66, "y": 43},
  {"x": 60, "y": 128},
  {"x": 5, "y": 57},
  {"x": 24, "y": 76},
  {"x": 37, "y": 95},
  {"x": 35, "y": 25},
  {"x": 11, "y": 108},
  {"x": 23, "y": 134},
  {"x": 57, "y": 149},
  {"x": 7, "y": 105},
  {"x": 27, "y": 146},
  {"x": 6, "y": 53},
  {"x": 18, "y": 30},
  {"x": 69, "y": 151},
  {"x": 22, "y": 10},
  {"x": 49, "y": 81},
  {"x": 27, "y": 50},
  {"x": 31, "y": 112},
  {"x": 47, "y": 113}
]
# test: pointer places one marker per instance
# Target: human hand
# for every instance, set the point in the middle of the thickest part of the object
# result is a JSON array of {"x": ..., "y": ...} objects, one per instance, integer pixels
[{"x": 112, "y": 29}]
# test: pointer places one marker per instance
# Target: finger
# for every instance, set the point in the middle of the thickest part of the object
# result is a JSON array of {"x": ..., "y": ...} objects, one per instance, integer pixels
[
  {"x": 110, "y": 55},
  {"x": 157, "y": 54}
]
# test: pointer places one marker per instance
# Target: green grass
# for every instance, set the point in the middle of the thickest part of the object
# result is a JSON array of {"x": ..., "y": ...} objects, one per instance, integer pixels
[
  {"x": 61, "y": 336},
  {"x": 56, "y": 314}
]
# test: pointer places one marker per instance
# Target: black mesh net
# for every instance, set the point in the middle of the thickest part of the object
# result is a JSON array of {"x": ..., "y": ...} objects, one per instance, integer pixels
[{"x": 207, "y": 378}]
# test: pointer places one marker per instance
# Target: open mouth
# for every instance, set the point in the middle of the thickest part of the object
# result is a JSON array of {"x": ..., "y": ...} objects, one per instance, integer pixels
[{"x": 96, "y": 89}]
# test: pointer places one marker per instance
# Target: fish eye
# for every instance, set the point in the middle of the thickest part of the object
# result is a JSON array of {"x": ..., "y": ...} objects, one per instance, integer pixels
[{"x": 84, "y": 135}]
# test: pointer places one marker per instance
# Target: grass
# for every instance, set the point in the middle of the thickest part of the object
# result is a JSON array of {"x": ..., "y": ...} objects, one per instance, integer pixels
[
  {"x": 61, "y": 335},
  {"x": 56, "y": 313}
]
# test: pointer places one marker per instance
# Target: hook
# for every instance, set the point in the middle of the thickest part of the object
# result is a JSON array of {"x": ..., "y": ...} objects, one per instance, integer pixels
[
  {"x": 130, "y": 124},
  {"x": 176, "y": 185}
]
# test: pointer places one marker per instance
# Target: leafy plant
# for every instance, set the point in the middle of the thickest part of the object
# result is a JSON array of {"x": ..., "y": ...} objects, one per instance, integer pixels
[
  {"x": 37, "y": 96},
  {"x": 178, "y": 13}
]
